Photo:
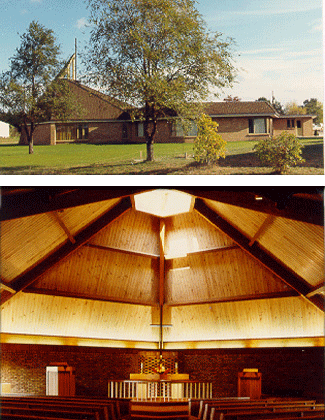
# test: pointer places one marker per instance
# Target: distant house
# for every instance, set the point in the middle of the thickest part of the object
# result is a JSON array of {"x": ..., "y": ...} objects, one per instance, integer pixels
[
  {"x": 4, "y": 130},
  {"x": 105, "y": 120}
]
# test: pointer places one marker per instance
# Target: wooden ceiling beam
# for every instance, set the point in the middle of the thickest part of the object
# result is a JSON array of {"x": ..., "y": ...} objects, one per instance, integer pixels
[
  {"x": 123, "y": 251},
  {"x": 262, "y": 229},
  {"x": 293, "y": 280},
  {"x": 29, "y": 277},
  {"x": 58, "y": 219},
  {"x": 274, "y": 295},
  {"x": 16, "y": 203},
  {"x": 75, "y": 295},
  {"x": 162, "y": 235}
]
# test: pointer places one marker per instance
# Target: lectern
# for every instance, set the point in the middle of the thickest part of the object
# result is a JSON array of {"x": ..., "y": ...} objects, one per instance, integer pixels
[
  {"x": 250, "y": 383},
  {"x": 60, "y": 380}
]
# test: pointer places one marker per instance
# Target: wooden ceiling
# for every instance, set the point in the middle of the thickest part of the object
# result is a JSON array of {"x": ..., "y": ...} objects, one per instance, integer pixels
[{"x": 244, "y": 267}]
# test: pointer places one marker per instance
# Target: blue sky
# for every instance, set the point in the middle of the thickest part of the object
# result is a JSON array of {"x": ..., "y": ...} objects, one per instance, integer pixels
[{"x": 278, "y": 42}]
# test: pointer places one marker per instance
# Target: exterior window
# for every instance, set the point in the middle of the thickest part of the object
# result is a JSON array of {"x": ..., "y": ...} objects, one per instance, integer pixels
[
  {"x": 140, "y": 127},
  {"x": 178, "y": 131},
  {"x": 65, "y": 132},
  {"x": 290, "y": 123},
  {"x": 257, "y": 126},
  {"x": 298, "y": 124},
  {"x": 82, "y": 132}
]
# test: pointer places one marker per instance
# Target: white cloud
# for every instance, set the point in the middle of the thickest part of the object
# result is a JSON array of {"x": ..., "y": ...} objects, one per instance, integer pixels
[
  {"x": 296, "y": 78},
  {"x": 81, "y": 23},
  {"x": 261, "y": 51},
  {"x": 317, "y": 26},
  {"x": 276, "y": 7},
  {"x": 277, "y": 10}
]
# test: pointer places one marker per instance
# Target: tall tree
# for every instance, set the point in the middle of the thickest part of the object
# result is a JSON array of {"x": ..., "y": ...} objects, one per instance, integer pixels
[
  {"x": 157, "y": 55},
  {"x": 29, "y": 92},
  {"x": 292, "y": 108},
  {"x": 314, "y": 107}
]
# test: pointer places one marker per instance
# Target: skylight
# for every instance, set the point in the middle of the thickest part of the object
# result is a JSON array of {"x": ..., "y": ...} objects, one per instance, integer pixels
[{"x": 163, "y": 203}]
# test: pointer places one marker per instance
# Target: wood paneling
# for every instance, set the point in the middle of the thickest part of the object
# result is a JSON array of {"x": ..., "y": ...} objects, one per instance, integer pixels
[
  {"x": 58, "y": 316},
  {"x": 298, "y": 245},
  {"x": 27, "y": 240},
  {"x": 217, "y": 289},
  {"x": 290, "y": 317},
  {"x": 134, "y": 231},
  {"x": 104, "y": 274},
  {"x": 189, "y": 232},
  {"x": 219, "y": 275}
]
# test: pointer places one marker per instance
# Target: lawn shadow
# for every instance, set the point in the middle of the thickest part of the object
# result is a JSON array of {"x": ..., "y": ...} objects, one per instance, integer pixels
[
  {"x": 21, "y": 170},
  {"x": 242, "y": 160},
  {"x": 313, "y": 155}
]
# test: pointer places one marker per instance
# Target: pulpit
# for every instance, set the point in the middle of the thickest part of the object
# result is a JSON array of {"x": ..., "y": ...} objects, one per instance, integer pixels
[{"x": 250, "y": 383}]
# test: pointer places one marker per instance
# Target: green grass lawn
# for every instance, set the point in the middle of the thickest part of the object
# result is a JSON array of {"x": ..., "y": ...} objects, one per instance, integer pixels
[{"x": 90, "y": 159}]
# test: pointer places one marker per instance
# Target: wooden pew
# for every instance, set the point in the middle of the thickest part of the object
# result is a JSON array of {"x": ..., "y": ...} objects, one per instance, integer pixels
[
  {"x": 197, "y": 406},
  {"x": 173, "y": 409},
  {"x": 47, "y": 411},
  {"x": 266, "y": 412},
  {"x": 107, "y": 410},
  {"x": 279, "y": 414},
  {"x": 101, "y": 410},
  {"x": 253, "y": 404},
  {"x": 214, "y": 408},
  {"x": 29, "y": 417}
]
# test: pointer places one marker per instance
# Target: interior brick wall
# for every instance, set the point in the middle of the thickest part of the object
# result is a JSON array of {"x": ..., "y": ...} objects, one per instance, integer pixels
[
  {"x": 285, "y": 372},
  {"x": 296, "y": 372}
]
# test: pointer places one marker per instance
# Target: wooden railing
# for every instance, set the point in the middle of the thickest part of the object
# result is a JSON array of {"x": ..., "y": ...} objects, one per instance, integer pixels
[{"x": 143, "y": 390}]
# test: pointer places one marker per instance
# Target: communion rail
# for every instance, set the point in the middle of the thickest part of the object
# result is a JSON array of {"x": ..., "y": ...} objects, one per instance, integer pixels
[{"x": 142, "y": 390}]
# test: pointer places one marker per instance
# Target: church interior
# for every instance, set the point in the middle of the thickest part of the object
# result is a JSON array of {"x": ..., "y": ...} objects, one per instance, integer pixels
[{"x": 172, "y": 303}]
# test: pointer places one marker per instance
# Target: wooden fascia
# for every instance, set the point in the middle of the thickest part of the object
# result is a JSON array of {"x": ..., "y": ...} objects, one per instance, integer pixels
[
  {"x": 29, "y": 277},
  {"x": 291, "y": 279}
]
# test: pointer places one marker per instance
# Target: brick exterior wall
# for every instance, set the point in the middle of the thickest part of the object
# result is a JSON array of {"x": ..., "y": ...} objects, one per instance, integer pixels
[
  {"x": 280, "y": 125},
  {"x": 285, "y": 372},
  {"x": 231, "y": 129},
  {"x": 42, "y": 135}
]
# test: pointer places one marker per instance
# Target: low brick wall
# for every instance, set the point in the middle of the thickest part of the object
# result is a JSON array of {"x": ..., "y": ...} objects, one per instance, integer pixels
[{"x": 287, "y": 372}]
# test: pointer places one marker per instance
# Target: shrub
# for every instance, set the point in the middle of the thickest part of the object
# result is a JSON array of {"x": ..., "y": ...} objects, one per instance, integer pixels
[
  {"x": 209, "y": 146},
  {"x": 280, "y": 152}
]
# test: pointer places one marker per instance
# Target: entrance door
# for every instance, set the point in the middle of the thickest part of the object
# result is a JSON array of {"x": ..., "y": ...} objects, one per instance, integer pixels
[{"x": 299, "y": 128}]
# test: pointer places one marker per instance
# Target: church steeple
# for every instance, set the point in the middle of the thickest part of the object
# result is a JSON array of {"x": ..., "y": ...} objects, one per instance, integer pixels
[{"x": 69, "y": 71}]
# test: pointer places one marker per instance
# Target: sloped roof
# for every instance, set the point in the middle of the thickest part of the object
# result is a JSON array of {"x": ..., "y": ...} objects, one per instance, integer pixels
[
  {"x": 95, "y": 105},
  {"x": 240, "y": 108},
  {"x": 85, "y": 267}
]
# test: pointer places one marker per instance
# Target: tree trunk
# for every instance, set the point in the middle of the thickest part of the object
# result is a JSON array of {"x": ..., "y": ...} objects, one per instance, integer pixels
[
  {"x": 31, "y": 148},
  {"x": 150, "y": 156}
]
